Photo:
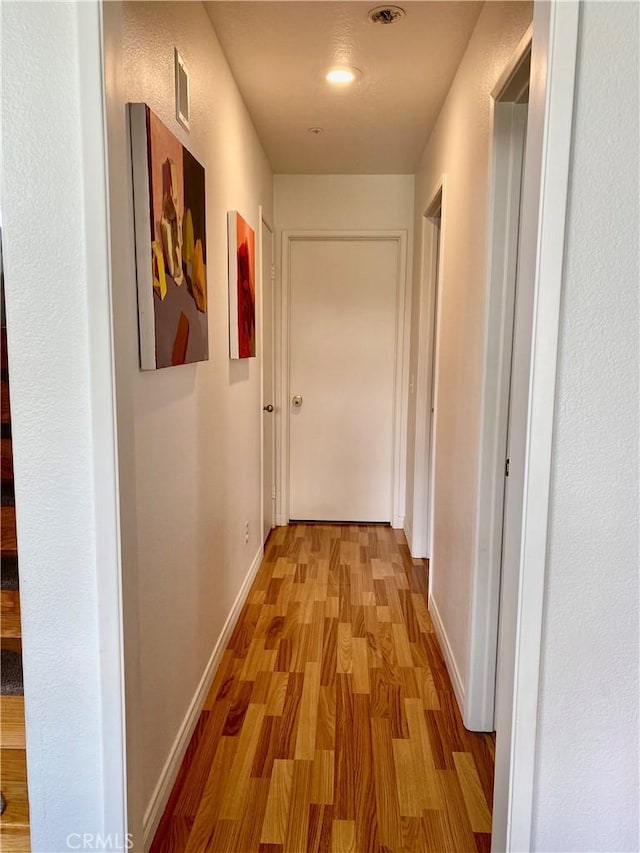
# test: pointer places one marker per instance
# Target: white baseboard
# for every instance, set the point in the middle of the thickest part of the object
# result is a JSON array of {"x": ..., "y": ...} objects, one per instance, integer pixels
[
  {"x": 170, "y": 770},
  {"x": 412, "y": 541},
  {"x": 398, "y": 522},
  {"x": 408, "y": 532},
  {"x": 449, "y": 659}
]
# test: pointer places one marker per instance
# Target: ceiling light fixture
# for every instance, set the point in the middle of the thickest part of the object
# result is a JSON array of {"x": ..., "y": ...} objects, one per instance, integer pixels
[{"x": 342, "y": 76}]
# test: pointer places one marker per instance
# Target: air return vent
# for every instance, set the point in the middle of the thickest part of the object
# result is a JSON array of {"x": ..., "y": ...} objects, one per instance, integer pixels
[{"x": 386, "y": 14}]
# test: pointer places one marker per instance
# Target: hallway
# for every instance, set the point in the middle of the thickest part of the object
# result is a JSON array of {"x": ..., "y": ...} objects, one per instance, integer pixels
[{"x": 331, "y": 723}]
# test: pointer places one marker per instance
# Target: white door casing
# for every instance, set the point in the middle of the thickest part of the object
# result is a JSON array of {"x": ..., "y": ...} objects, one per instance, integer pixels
[
  {"x": 535, "y": 356},
  {"x": 394, "y": 369},
  {"x": 433, "y": 225},
  {"x": 268, "y": 379}
]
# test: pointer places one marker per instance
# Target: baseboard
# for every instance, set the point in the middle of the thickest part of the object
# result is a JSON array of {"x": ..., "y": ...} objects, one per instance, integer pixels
[
  {"x": 398, "y": 522},
  {"x": 449, "y": 659},
  {"x": 408, "y": 532},
  {"x": 414, "y": 546},
  {"x": 170, "y": 770}
]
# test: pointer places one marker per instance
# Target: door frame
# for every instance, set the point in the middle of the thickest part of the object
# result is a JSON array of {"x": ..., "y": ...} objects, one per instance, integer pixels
[
  {"x": 400, "y": 385},
  {"x": 421, "y": 534},
  {"x": 543, "y": 222},
  {"x": 263, "y": 221},
  {"x": 508, "y": 133}
]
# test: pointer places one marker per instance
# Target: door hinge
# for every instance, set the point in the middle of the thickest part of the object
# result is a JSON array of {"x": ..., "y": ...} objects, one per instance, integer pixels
[
  {"x": 506, "y": 468},
  {"x": 273, "y": 272}
]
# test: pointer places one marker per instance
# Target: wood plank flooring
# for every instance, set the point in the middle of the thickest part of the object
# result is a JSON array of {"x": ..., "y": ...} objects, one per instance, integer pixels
[
  {"x": 14, "y": 821},
  {"x": 331, "y": 724}
]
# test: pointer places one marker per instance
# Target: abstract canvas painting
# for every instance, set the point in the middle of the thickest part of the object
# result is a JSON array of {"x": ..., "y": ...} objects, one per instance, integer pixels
[
  {"x": 171, "y": 245},
  {"x": 242, "y": 287}
]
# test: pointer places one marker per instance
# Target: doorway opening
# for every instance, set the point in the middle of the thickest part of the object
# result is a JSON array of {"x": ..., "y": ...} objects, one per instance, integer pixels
[
  {"x": 510, "y": 110},
  {"x": 504, "y": 402},
  {"x": 427, "y": 372}
]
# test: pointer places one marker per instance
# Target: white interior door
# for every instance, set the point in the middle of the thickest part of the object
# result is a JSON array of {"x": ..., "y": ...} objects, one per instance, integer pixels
[
  {"x": 343, "y": 305},
  {"x": 268, "y": 386}
]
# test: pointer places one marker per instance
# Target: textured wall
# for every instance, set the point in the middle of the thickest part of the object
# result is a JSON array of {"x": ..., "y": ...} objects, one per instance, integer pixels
[
  {"x": 57, "y": 293},
  {"x": 190, "y": 435},
  {"x": 460, "y": 148},
  {"x": 344, "y": 201},
  {"x": 587, "y": 770}
]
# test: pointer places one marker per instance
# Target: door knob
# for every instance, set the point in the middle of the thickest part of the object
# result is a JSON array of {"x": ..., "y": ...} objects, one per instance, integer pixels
[
  {"x": 296, "y": 401},
  {"x": 268, "y": 408}
]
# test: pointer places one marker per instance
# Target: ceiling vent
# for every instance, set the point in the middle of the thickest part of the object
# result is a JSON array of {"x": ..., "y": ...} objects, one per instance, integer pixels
[{"x": 386, "y": 14}]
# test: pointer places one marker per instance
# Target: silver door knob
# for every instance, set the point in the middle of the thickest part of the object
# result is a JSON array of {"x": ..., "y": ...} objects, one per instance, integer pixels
[
  {"x": 296, "y": 401},
  {"x": 268, "y": 408}
]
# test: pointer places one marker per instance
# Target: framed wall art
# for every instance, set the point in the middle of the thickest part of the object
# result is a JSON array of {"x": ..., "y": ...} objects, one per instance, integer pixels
[
  {"x": 242, "y": 287},
  {"x": 171, "y": 244}
]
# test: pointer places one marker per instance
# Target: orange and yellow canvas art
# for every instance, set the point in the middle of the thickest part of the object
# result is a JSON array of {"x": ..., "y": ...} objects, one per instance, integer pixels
[{"x": 171, "y": 245}]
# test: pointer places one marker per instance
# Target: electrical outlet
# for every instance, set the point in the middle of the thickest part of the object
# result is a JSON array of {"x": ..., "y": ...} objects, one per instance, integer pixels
[{"x": 246, "y": 533}]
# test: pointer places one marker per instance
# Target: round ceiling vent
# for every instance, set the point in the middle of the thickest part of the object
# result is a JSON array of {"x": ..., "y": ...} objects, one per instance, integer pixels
[{"x": 386, "y": 14}]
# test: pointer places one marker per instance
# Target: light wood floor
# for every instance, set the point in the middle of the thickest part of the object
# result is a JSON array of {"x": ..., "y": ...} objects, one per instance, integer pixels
[{"x": 331, "y": 724}]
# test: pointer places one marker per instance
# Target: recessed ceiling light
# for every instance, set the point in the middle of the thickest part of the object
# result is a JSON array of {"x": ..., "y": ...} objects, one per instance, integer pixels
[
  {"x": 342, "y": 76},
  {"x": 386, "y": 14}
]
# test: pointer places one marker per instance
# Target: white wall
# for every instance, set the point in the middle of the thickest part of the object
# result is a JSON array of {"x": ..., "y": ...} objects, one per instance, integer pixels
[
  {"x": 57, "y": 292},
  {"x": 460, "y": 149},
  {"x": 189, "y": 436},
  {"x": 587, "y": 753},
  {"x": 341, "y": 203},
  {"x": 344, "y": 202}
]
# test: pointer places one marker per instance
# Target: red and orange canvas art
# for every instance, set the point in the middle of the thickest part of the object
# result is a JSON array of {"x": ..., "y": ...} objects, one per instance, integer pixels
[
  {"x": 242, "y": 287},
  {"x": 171, "y": 246}
]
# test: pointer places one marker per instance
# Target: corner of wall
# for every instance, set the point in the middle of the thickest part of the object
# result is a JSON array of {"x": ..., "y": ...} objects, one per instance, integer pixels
[{"x": 447, "y": 651}]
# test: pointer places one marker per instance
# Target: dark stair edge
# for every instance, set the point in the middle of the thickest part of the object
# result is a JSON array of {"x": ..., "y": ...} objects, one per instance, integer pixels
[
  {"x": 11, "y": 683},
  {"x": 7, "y": 494},
  {"x": 9, "y": 572}
]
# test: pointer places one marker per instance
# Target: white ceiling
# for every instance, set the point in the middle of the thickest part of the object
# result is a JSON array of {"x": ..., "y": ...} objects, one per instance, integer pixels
[{"x": 279, "y": 53}]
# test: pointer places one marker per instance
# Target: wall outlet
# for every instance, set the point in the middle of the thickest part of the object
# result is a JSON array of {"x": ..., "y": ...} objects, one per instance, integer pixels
[{"x": 246, "y": 533}]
